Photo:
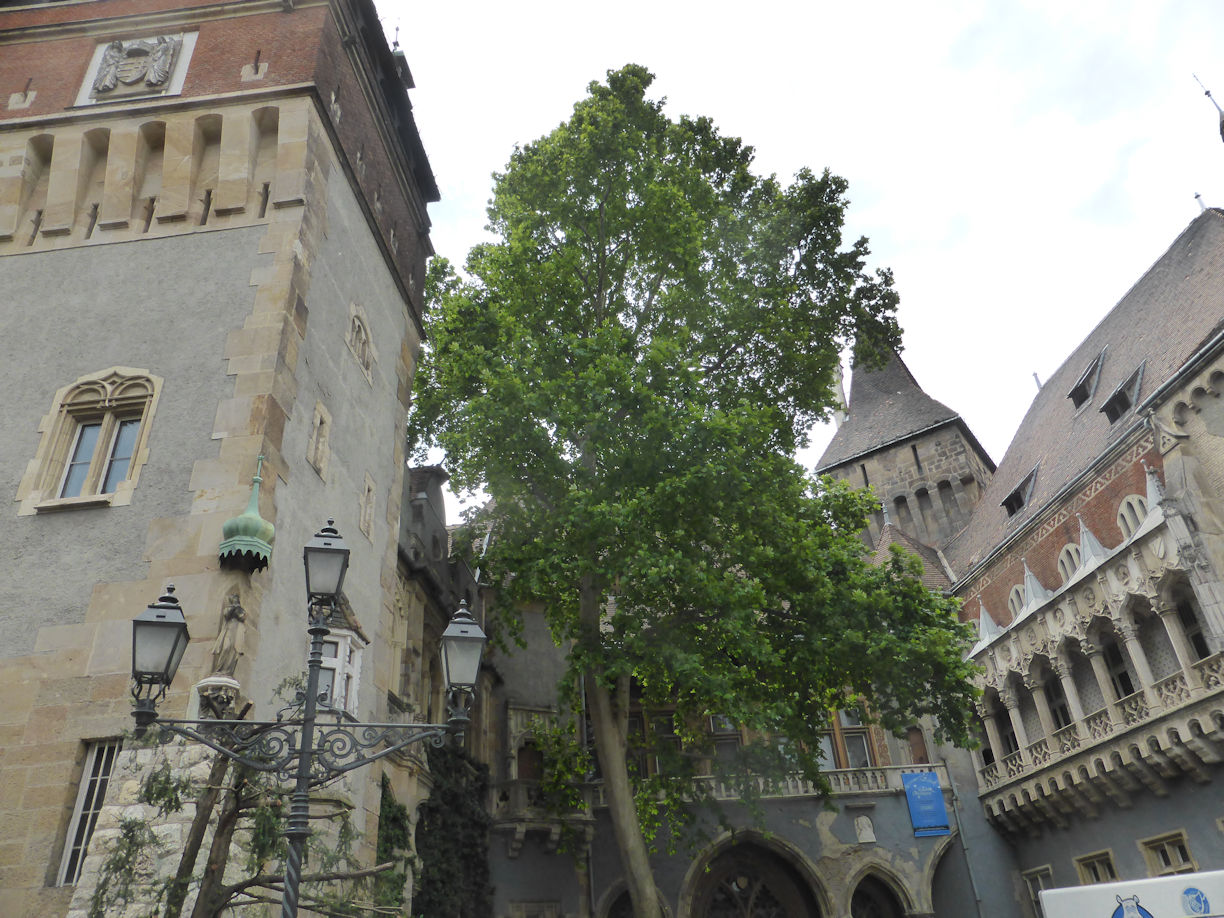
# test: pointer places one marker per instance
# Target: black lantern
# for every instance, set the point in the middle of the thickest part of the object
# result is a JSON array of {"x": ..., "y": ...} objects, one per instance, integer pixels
[
  {"x": 462, "y": 647},
  {"x": 326, "y": 559},
  {"x": 159, "y": 639}
]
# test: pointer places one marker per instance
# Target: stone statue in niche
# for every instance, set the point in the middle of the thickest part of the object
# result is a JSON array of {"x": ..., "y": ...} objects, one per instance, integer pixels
[
  {"x": 864, "y": 830},
  {"x": 231, "y": 639},
  {"x": 143, "y": 64}
]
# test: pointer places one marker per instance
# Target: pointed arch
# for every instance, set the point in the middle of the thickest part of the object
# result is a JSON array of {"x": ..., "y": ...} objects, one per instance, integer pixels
[
  {"x": 875, "y": 886},
  {"x": 749, "y": 865}
]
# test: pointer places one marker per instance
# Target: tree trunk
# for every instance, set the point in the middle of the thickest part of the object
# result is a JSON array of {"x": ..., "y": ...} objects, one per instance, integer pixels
[
  {"x": 582, "y": 868},
  {"x": 205, "y": 804},
  {"x": 610, "y": 748},
  {"x": 210, "y": 900}
]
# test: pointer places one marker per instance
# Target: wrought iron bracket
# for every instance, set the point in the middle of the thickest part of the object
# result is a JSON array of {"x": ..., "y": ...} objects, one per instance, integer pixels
[{"x": 272, "y": 747}]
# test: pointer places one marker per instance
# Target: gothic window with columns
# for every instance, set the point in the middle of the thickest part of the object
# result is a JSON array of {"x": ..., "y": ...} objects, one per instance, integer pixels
[
  {"x": 94, "y": 442},
  {"x": 1119, "y": 675},
  {"x": 1131, "y": 514},
  {"x": 1068, "y": 561},
  {"x": 1057, "y": 699},
  {"x": 1015, "y": 601}
]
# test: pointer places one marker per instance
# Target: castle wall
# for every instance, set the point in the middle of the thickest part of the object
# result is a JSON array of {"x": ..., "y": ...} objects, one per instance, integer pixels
[
  {"x": 84, "y": 310},
  {"x": 1189, "y": 807},
  {"x": 215, "y": 238}
]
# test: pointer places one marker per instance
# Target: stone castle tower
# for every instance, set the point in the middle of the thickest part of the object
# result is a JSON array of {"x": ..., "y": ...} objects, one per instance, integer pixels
[
  {"x": 213, "y": 234},
  {"x": 918, "y": 456}
]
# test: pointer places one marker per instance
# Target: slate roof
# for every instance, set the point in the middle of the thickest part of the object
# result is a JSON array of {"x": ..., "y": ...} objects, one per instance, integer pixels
[
  {"x": 886, "y": 405},
  {"x": 420, "y": 477},
  {"x": 934, "y": 576},
  {"x": 1175, "y": 309}
]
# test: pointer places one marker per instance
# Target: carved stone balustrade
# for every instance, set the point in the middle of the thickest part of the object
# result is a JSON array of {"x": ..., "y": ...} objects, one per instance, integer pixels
[
  {"x": 1135, "y": 745},
  {"x": 1038, "y": 752},
  {"x": 1014, "y": 764},
  {"x": 842, "y": 781},
  {"x": 1172, "y": 690},
  {"x": 1066, "y": 740},
  {"x": 1134, "y": 709},
  {"x": 1099, "y": 724}
]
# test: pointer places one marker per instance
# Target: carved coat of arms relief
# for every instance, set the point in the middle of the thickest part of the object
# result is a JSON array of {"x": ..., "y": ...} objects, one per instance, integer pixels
[{"x": 141, "y": 66}]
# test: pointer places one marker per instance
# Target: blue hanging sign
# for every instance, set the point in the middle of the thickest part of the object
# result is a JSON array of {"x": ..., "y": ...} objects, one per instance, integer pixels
[{"x": 928, "y": 812}]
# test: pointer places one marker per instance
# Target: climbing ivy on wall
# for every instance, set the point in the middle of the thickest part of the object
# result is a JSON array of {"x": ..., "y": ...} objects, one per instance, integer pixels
[
  {"x": 394, "y": 847},
  {"x": 452, "y": 839}
]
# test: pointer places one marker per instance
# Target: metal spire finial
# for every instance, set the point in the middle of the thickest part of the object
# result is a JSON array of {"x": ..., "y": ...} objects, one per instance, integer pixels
[{"x": 1207, "y": 93}]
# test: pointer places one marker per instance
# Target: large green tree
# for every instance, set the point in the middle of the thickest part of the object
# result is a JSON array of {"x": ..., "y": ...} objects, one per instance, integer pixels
[{"x": 628, "y": 371}]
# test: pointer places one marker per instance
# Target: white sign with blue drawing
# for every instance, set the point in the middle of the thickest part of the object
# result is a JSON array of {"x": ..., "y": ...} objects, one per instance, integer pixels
[{"x": 1187, "y": 895}]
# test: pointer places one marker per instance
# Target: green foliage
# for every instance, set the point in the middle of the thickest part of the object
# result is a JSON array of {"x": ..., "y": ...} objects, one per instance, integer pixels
[
  {"x": 452, "y": 839},
  {"x": 164, "y": 789},
  {"x": 628, "y": 372},
  {"x": 126, "y": 876},
  {"x": 266, "y": 841},
  {"x": 566, "y": 772},
  {"x": 125, "y": 868},
  {"x": 394, "y": 846}
]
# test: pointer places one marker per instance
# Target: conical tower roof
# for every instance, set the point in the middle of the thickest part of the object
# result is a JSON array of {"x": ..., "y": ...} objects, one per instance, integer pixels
[{"x": 886, "y": 405}]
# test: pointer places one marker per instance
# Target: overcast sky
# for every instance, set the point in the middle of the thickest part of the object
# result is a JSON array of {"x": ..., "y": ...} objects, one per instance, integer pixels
[{"x": 1018, "y": 165}]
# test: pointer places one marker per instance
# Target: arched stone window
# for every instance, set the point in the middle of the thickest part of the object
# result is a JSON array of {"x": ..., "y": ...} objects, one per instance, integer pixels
[
  {"x": 94, "y": 442},
  {"x": 749, "y": 881},
  {"x": 1015, "y": 601},
  {"x": 873, "y": 899},
  {"x": 1068, "y": 561},
  {"x": 358, "y": 339},
  {"x": 1131, "y": 514}
]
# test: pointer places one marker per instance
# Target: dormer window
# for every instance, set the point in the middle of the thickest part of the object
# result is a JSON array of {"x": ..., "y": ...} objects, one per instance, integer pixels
[
  {"x": 1018, "y": 498},
  {"x": 1068, "y": 562},
  {"x": 1081, "y": 393},
  {"x": 1124, "y": 397},
  {"x": 1015, "y": 601},
  {"x": 1131, "y": 514}
]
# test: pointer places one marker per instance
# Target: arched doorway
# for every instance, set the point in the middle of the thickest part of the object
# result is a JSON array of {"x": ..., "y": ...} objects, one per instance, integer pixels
[
  {"x": 749, "y": 881},
  {"x": 873, "y": 899}
]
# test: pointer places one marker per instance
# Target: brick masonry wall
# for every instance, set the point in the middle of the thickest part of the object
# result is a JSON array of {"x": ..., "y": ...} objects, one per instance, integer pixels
[
  {"x": 303, "y": 46},
  {"x": 1097, "y": 502}
]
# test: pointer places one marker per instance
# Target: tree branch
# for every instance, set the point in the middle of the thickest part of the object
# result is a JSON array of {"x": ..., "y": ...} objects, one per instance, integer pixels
[{"x": 274, "y": 882}]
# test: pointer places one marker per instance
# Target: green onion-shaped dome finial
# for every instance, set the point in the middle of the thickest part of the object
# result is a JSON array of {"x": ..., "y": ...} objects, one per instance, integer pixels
[{"x": 246, "y": 542}]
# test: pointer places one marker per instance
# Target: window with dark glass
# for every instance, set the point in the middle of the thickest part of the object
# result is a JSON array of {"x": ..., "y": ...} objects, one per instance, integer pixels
[
  {"x": 1118, "y": 673},
  {"x": 1057, "y": 699},
  {"x": 848, "y": 742},
  {"x": 1193, "y": 629},
  {"x": 101, "y": 456},
  {"x": 91, "y": 794},
  {"x": 1123, "y": 398}
]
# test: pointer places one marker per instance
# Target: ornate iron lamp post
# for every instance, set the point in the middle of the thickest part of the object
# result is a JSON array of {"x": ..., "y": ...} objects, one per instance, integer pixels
[{"x": 298, "y": 746}]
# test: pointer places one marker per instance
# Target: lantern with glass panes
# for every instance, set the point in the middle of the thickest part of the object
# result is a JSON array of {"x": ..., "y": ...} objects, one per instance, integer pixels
[{"x": 310, "y": 742}]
